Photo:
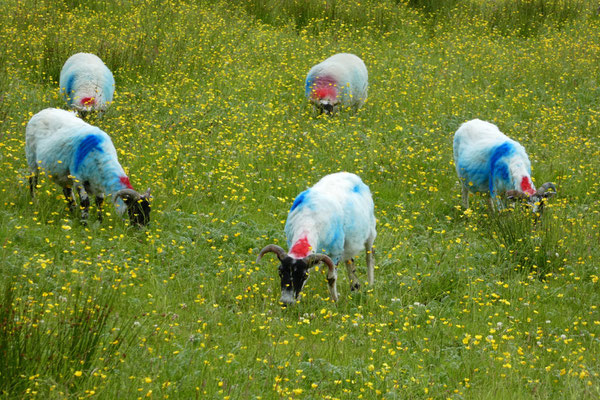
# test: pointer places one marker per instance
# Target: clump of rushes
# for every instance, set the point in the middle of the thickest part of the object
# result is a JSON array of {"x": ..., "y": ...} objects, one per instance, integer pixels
[
  {"x": 69, "y": 336},
  {"x": 532, "y": 241}
]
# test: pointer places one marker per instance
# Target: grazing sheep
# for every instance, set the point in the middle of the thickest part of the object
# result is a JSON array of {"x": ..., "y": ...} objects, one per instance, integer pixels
[
  {"x": 341, "y": 79},
  {"x": 86, "y": 84},
  {"x": 486, "y": 160},
  {"x": 78, "y": 155},
  {"x": 335, "y": 217}
]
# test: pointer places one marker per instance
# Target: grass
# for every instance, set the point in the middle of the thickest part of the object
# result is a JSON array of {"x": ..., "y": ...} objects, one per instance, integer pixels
[
  {"x": 209, "y": 112},
  {"x": 84, "y": 335}
]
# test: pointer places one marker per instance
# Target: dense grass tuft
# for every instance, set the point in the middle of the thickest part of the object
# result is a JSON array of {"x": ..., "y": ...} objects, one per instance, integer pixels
[
  {"x": 533, "y": 241},
  {"x": 64, "y": 340}
]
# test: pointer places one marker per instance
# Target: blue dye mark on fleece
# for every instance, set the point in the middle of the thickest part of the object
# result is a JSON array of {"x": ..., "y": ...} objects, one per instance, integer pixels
[
  {"x": 308, "y": 85},
  {"x": 357, "y": 188},
  {"x": 87, "y": 145},
  {"x": 477, "y": 176},
  {"x": 336, "y": 235},
  {"x": 299, "y": 200},
  {"x": 498, "y": 167},
  {"x": 69, "y": 87},
  {"x": 334, "y": 241}
]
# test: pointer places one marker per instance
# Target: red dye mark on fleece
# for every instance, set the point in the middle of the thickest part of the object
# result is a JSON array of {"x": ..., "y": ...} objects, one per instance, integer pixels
[
  {"x": 125, "y": 181},
  {"x": 300, "y": 248},
  {"x": 328, "y": 92},
  {"x": 88, "y": 101},
  {"x": 526, "y": 186}
]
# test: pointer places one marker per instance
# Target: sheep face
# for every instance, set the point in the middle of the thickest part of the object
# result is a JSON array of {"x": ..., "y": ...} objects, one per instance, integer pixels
[
  {"x": 326, "y": 107},
  {"x": 139, "y": 211},
  {"x": 324, "y": 96},
  {"x": 535, "y": 200},
  {"x": 293, "y": 273},
  {"x": 138, "y": 206}
]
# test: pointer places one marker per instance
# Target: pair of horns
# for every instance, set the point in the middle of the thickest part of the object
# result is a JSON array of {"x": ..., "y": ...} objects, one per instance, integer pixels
[
  {"x": 130, "y": 194},
  {"x": 309, "y": 260},
  {"x": 541, "y": 192}
]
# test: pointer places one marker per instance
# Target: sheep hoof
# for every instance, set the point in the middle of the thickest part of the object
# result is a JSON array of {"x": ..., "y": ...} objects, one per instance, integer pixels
[{"x": 355, "y": 286}]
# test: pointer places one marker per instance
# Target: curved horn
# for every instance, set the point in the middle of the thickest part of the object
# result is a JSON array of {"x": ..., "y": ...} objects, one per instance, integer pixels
[
  {"x": 316, "y": 258},
  {"x": 542, "y": 189},
  {"x": 129, "y": 193},
  {"x": 281, "y": 254}
]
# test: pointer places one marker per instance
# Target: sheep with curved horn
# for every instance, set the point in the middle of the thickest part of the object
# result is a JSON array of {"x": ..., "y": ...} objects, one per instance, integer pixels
[
  {"x": 486, "y": 160},
  {"x": 80, "y": 156},
  {"x": 330, "y": 223}
]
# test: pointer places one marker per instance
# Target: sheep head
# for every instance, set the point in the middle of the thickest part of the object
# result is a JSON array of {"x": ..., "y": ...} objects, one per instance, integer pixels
[
  {"x": 536, "y": 200},
  {"x": 325, "y": 97},
  {"x": 294, "y": 271},
  {"x": 138, "y": 205},
  {"x": 326, "y": 107}
]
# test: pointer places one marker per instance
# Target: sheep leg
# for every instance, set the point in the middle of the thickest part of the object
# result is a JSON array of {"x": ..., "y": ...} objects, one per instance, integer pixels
[
  {"x": 370, "y": 263},
  {"x": 331, "y": 279},
  {"x": 351, "y": 269},
  {"x": 465, "y": 197},
  {"x": 99, "y": 201},
  {"x": 33, "y": 181},
  {"x": 68, "y": 192},
  {"x": 85, "y": 202},
  {"x": 495, "y": 202}
]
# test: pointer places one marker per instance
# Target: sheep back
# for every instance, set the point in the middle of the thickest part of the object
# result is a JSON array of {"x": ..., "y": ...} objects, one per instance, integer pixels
[
  {"x": 487, "y": 160},
  {"x": 342, "y": 77},
  {"x": 86, "y": 82},
  {"x": 64, "y": 146},
  {"x": 339, "y": 208}
]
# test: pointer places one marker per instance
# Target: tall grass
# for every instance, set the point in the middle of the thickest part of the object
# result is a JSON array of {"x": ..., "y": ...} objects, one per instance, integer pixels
[
  {"x": 62, "y": 340},
  {"x": 527, "y": 17},
  {"x": 322, "y": 15},
  {"x": 532, "y": 241},
  {"x": 210, "y": 113},
  {"x": 520, "y": 17}
]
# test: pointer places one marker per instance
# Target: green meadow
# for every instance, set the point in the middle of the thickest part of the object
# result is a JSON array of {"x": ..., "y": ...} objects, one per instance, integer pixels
[{"x": 209, "y": 112}]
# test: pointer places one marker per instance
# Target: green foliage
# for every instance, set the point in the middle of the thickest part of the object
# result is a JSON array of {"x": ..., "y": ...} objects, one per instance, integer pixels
[
  {"x": 319, "y": 15},
  {"x": 527, "y": 17},
  {"x": 432, "y": 6},
  {"x": 210, "y": 114},
  {"x": 533, "y": 241},
  {"x": 58, "y": 339}
]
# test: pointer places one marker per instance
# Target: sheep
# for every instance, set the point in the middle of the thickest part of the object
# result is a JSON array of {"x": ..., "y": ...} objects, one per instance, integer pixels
[
  {"x": 335, "y": 216},
  {"x": 486, "y": 160},
  {"x": 86, "y": 84},
  {"x": 78, "y": 155},
  {"x": 340, "y": 79}
]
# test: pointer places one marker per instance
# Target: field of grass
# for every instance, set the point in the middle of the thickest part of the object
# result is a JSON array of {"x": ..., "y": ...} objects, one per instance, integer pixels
[{"x": 210, "y": 113}]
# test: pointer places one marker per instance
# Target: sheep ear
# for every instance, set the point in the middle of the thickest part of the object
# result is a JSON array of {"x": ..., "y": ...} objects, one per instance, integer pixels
[
  {"x": 128, "y": 195},
  {"x": 314, "y": 259},
  {"x": 147, "y": 195},
  {"x": 543, "y": 190}
]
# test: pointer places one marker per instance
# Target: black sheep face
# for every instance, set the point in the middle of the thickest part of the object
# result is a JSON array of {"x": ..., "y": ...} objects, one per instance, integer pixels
[
  {"x": 326, "y": 107},
  {"x": 138, "y": 211},
  {"x": 293, "y": 273}
]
